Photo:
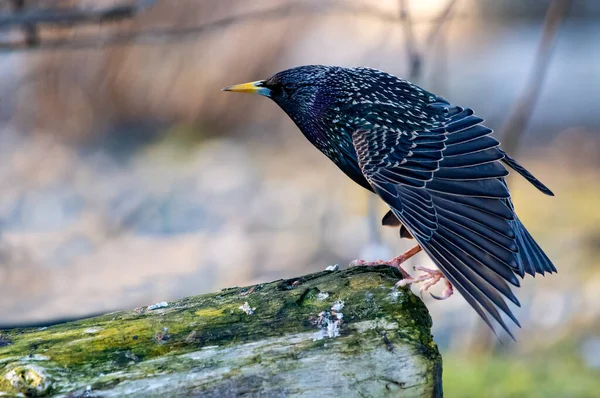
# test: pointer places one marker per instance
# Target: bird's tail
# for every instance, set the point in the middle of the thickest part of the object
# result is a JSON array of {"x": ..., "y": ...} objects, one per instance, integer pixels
[
  {"x": 526, "y": 174},
  {"x": 532, "y": 258}
]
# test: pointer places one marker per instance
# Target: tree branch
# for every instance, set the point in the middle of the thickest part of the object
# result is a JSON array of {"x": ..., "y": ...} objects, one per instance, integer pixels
[
  {"x": 158, "y": 36},
  {"x": 523, "y": 108},
  {"x": 328, "y": 334},
  {"x": 72, "y": 15},
  {"x": 413, "y": 55},
  {"x": 439, "y": 24}
]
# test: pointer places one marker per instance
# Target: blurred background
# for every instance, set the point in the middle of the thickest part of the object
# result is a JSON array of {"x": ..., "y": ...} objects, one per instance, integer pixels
[{"x": 128, "y": 178}]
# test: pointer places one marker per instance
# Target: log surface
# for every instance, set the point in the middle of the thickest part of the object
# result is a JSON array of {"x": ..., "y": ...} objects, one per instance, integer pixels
[{"x": 328, "y": 334}]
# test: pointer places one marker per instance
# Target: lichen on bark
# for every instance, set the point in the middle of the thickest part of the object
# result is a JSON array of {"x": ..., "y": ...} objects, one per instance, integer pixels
[{"x": 328, "y": 333}]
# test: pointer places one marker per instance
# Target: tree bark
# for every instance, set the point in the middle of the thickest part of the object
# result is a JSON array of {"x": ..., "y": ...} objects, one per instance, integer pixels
[{"x": 328, "y": 334}]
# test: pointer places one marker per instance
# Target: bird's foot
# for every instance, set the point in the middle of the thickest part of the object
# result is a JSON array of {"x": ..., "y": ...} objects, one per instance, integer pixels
[
  {"x": 395, "y": 262},
  {"x": 391, "y": 263},
  {"x": 430, "y": 278}
]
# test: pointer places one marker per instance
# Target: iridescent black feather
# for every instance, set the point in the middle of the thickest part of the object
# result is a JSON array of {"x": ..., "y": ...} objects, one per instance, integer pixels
[{"x": 436, "y": 166}]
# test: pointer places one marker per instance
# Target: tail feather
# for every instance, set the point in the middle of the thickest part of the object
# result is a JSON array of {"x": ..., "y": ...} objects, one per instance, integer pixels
[
  {"x": 532, "y": 258},
  {"x": 526, "y": 174}
]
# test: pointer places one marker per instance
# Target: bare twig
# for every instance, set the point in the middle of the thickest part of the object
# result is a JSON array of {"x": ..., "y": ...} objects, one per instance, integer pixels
[
  {"x": 414, "y": 56},
  {"x": 438, "y": 26},
  {"x": 71, "y": 15},
  {"x": 158, "y": 36},
  {"x": 517, "y": 122},
  {"x": 31, "y": 32}
]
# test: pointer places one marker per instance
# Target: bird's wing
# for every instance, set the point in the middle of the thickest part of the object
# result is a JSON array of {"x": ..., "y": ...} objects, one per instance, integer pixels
[
  {"x": 446, "y": 186},
  {"x": 526, "y": 174}
]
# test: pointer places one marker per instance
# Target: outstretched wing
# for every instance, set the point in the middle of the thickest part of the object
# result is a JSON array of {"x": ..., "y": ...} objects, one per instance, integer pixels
[{"x": 446, "y": 186}]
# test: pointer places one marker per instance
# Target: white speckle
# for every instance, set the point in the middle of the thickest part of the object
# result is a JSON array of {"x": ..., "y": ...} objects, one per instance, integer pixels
[
  {"x": 337, "y": 306},
  {"x": 322, "y": 296},
  {"x": 334, "y": 267},
  {"x": 329, "y": 322},
  {"x": 329, "y": 326},
  {"x": 38, "y": 357},
  {"x": 394, "y": 295},
  {"x": 333, "y": 329},
  {"x": 247, "y": 309},
  {"x": 92, "y": 330},
  {"x": 156, "y": 306}
]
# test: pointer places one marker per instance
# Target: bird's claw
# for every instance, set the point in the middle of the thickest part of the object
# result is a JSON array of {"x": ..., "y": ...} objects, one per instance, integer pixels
[
  {"x": 430, "y": 278},
  {"x": 448, "y": 291}
]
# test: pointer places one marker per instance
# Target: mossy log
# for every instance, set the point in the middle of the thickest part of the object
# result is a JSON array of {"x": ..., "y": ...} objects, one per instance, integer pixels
[{"x": 328, "y": 334}]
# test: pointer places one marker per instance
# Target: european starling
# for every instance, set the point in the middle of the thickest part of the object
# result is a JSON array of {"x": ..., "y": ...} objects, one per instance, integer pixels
[{"x": 433, "y": 163}]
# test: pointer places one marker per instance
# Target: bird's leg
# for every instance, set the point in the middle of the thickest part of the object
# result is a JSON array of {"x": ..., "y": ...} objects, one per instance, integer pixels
[
  {"x": 430, "y": 278},
  {"x": 395, "y": 262}
]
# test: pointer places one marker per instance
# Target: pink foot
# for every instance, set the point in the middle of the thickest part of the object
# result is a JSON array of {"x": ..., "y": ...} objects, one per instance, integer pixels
[
  {"x": 391, "y": 263},
  {"x": 395, "y": 262},
  {"x": 430, "y": 278}
]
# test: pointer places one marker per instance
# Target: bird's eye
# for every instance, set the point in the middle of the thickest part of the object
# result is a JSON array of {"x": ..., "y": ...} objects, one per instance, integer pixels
[
  {"x": 280, "y": 89},
  {"x": 288, "y": 90}
]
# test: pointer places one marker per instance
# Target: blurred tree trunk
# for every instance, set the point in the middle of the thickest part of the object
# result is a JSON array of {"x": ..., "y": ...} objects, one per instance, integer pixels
[{"x": 523, "y": 108}]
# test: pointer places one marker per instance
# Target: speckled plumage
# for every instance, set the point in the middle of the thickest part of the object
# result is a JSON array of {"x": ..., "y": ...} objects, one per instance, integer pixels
[{"x": 433, "y": 163}]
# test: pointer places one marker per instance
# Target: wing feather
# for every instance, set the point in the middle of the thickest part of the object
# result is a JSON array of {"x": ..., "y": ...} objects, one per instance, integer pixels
[
  {"x": 487, "y": 170},
  {"x": 471, "y": 146},
  {"x": 493, "y": 207},
  {"x": 474, "y": 159},
  {"x": 445, "y": 185},
  {"x": 468, "y": 134}
]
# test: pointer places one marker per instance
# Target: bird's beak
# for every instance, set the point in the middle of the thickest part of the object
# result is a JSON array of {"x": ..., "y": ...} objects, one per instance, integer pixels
[{"x": 256, "y": 87}]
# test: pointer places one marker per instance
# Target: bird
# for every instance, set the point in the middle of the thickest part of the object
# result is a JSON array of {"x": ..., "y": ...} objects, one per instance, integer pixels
[{"x": 437, "y": 167}]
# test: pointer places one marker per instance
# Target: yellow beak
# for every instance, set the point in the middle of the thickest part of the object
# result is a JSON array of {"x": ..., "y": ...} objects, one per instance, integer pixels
[{"x": 252, "y": 87}]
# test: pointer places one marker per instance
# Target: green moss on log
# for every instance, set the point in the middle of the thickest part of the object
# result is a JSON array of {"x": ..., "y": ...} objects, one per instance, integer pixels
[{"x": 109, "y": 351}]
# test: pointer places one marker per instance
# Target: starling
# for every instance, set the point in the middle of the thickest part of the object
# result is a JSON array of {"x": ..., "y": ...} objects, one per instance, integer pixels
[{"x": 433, "y": 163}]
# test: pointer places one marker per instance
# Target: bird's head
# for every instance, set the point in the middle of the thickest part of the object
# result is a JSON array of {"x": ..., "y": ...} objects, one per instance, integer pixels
[{"x": 306, "y": 93}]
